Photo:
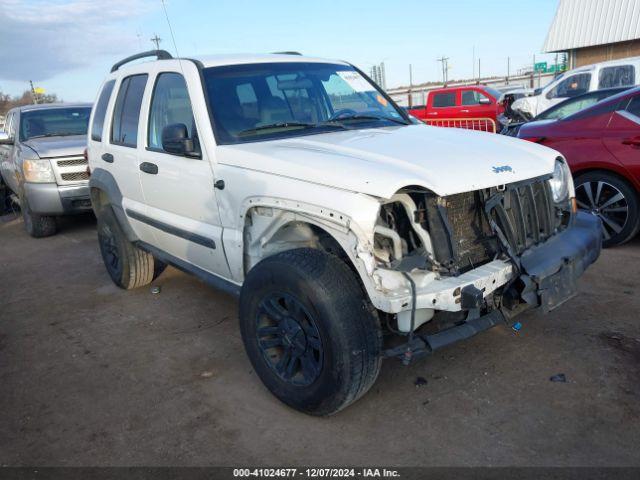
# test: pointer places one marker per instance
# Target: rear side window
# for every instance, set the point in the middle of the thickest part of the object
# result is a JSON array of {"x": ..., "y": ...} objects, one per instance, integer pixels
[
  {"x": 618, "y": 76},
  {"x": 101, "y": 110},
  {"x": 444, "y": 100},
  {"x": 126, "y": 114}
]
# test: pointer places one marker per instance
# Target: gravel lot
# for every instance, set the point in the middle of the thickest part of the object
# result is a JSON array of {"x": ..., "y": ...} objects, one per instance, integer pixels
[{"x": 93, "y": 375}]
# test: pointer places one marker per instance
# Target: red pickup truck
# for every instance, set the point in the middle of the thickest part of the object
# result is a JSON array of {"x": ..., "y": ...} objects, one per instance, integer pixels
[{"x": 454, "y": 103}]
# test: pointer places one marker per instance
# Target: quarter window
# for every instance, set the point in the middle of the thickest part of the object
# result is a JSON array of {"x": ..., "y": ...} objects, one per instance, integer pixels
[
  {"x": 444, "y": 100},
  {"x": 618, "y": 76},
  {"x": 170, "y": 105},
  {"x": 126, "y": 115},
  {"x": 101, "y": 110}
]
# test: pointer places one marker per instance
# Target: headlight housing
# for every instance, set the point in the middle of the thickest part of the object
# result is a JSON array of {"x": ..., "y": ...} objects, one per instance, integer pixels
[
  {"x": 38, "y": 171},
  {"x": 561, "y": 182}
]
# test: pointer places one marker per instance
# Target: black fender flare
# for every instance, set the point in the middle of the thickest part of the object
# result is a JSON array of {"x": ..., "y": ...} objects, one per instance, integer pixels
[{"x": 102, "y": 181}]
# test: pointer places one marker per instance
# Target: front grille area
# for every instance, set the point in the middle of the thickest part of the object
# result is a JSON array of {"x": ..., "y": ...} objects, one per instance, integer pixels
[
  {"x": 72, "y": 162},
  {"x": 463, "y": 226},
  {"x": 70, "y": 170},
  {"x": 75, "y": 176},
  {"x": 526, "y": 215}
]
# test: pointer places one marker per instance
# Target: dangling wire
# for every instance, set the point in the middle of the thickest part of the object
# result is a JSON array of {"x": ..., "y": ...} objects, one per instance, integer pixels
[{"x": 173, "y": 38}]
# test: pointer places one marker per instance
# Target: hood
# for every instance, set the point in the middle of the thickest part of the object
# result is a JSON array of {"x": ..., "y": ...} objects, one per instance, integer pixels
[
  {"x": 48, "y": 147},
  {"x": 381, "y": 161},
  {"x": 536, "y": 127}
]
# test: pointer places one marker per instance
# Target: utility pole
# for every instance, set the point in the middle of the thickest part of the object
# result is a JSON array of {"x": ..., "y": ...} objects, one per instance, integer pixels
[
  {"x": 533, "y": 71},
  {"x": 479, "y": 74},
  {"x": 445, "y": 68},
  {"x": 33, "y": 92},
  {"x": 508, "y": 68},
  {"x": 156, "y": 39},
  {"x": 473, "y": 63}
]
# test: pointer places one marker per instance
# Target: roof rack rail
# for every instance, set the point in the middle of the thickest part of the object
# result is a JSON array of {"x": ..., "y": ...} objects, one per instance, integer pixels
[
  {"x": 159, "y": 54},
  {"x": 286, "y": 53}
]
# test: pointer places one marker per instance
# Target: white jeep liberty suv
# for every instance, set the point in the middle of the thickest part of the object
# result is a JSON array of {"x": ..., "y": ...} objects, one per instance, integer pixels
[{"x": 298, "y": 184}]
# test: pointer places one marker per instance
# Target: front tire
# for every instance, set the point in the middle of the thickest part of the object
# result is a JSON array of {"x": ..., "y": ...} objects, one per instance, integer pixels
[
  {"x": 614, "y": 201},
  {"x": 311, "y": 334},
  {"x": 128, "y": 266},
  {"x": 38, "y": 226}
]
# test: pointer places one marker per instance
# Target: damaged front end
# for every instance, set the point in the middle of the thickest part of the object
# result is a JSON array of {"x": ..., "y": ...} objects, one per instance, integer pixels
[{"x": 479, "y": 257}]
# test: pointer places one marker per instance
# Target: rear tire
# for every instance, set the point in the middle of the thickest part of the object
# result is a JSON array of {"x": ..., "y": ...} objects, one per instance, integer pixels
[
  {"x": 614, "y": 201},
  {"x": 128, "y": 266},
  {"x": 309, "y": 330},
  {"x": 38, "y": 226}
]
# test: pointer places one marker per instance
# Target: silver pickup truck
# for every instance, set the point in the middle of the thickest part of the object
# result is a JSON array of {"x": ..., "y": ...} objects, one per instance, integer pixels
[{"x": 42, "y": 162}]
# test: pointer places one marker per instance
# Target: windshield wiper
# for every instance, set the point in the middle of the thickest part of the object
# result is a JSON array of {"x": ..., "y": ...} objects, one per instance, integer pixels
[
  {"x": 44, "y": 135},
  {"x": 277, "y": 125},
  {"x": 367, "y": 117}
]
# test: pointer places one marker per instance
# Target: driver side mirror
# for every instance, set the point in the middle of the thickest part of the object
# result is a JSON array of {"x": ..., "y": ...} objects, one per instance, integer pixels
[
  {"x": 175, "y": 140},
  {"x": 484, "y": 101},
  {"x": 5, "y": 139}
]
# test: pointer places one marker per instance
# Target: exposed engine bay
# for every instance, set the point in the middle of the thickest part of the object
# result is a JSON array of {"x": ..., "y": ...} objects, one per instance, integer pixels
[{"x": 457, "y": 233}]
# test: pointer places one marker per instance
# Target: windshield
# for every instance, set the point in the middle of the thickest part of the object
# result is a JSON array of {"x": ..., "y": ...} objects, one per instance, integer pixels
[
  {"x": 276, "y": 100},
  {"x": 54, "y": 122}
]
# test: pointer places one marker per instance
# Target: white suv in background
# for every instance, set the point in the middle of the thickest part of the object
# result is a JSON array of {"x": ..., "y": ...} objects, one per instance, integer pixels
[
  {"x": 614, "y": 73},
  {"x": 298, "y": 184}
]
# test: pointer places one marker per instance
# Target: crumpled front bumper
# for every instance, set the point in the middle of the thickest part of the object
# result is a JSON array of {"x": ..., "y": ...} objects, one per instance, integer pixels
[
  {"x": 554, "y": 266},
  {"x": 547, "y": 277}
]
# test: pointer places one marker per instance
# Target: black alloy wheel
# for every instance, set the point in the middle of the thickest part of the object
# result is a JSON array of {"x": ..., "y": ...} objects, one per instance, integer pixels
[
  {"x": 109, "y": 249},
  {"x": 288, "y": 339}
]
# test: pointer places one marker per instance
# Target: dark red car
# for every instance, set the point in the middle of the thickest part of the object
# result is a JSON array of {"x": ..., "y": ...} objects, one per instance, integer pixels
[{"x": 602, "y": 145}]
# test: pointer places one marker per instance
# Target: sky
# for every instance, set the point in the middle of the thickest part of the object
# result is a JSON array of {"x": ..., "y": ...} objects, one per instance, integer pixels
[{"x": 68, "y": 46}]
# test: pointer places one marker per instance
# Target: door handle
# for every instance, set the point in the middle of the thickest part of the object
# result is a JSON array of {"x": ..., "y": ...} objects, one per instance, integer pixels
[
  {"x": 150, "y": 168},
  {"x": 107, "y": 157},
  {"x": 634, "y": 142}
]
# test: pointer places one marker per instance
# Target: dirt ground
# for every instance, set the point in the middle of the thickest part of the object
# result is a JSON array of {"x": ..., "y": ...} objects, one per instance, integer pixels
[{"x": 94, "y": 375}]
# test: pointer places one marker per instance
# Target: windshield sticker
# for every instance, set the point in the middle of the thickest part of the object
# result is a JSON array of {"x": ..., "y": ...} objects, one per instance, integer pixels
[
  {"x": 381, "y": 100},
  {"x": 355, "y": 81}
]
